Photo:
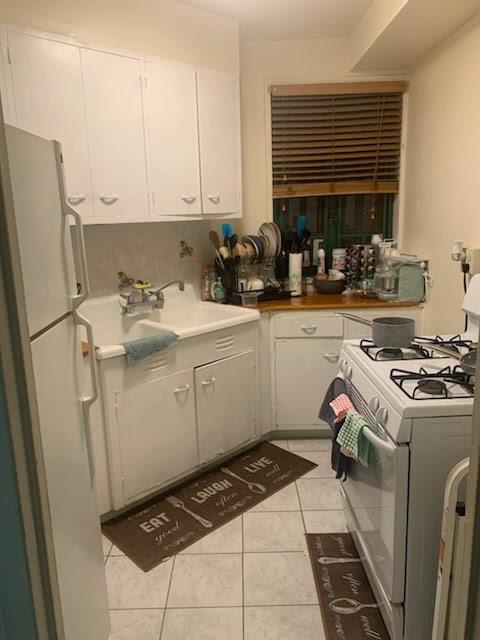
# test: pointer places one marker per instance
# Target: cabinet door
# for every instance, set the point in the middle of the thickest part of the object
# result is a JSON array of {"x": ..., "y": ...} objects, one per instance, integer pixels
[
  {"x": 219, "y": 132},
  {"x": 303, "y": 371},
  {"x": 48, "y": 101},
  {"x": 172, "y": 139},
  {"x": 113, "y": 100},
  {"x": 157, "y": 435},
  {"x": 225, "y": 393}
]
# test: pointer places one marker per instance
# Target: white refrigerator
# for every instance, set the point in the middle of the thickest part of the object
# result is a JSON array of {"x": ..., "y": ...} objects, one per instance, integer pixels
[{"x": 50, "y": 275}]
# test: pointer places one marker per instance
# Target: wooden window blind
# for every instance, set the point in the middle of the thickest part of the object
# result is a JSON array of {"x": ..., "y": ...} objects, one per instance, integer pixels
[{"x": 336, "y": 138}]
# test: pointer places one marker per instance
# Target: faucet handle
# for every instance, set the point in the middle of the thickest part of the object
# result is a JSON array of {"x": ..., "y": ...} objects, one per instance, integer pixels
[
  {"x": 126, "y": 302},
  {"x": 155, "y": 291}
]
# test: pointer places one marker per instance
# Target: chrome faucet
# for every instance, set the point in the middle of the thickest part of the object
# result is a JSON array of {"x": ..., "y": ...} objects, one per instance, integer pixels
[
  {"x": 153, "y": 298},
  {"x": 157, "y": 299}
]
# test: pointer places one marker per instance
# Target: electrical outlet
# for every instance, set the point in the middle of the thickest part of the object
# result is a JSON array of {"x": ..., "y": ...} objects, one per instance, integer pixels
[{"x": 473, "y": 259}]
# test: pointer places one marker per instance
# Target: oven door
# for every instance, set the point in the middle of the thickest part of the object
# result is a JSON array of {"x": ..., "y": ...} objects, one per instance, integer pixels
[{"x": 377, "y": 496}]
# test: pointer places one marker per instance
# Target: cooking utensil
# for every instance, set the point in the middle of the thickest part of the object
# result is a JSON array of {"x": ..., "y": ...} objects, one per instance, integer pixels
[
  {"x": 467, "y": 361},
  {"x": 391, "y": 332},
  {"x": 179, "y": 504},
  {"x": 215, "y": 242},
  {"x": 227, "y": 230},
  {"x": 253, "y": 486},
  {"x": 225, "y": 253},
  {"x": 301, "y": 226}
]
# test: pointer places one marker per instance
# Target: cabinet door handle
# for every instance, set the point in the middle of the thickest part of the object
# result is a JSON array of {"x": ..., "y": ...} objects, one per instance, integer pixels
[
  {"x": 77, "y": 199},
  {"x": 108, "y": 199},
  {"x": 331, "y": 357},
  {"x": 208, "y": 382},
  {"x": 214, "y": 199},
  {"x": 308, "y": 328},
  {"x": 185, "y": 387},
  {"x": 189, "y": 199}
]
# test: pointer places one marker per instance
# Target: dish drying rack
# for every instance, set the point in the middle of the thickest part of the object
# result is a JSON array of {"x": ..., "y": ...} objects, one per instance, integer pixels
[{"x": 237, "y": 272}]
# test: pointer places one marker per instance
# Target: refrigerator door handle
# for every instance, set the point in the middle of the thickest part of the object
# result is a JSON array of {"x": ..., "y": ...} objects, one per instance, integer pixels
[
  {"x": 88, "y": 400},
  {"x": 78, "y": 298},
  {"x": 67, "y": 210}
]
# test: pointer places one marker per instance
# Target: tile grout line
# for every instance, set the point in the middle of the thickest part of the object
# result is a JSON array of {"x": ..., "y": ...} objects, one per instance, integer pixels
[
  {"x": 167, "y": 596},
  {"x": 301, "y": 508},
  {"x": 219, "y": 606}
]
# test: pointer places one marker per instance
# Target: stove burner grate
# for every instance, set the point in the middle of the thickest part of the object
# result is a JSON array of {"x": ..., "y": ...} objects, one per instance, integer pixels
[
  {"x": 455, "y": 344},
  {"x": 434, "y": 384},
  {"x": 413, "y": 352}
]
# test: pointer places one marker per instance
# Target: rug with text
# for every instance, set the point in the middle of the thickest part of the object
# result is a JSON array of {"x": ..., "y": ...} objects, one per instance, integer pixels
[
  {"x": 160, "y": 528},
  {"x": 349, "y": 608}
]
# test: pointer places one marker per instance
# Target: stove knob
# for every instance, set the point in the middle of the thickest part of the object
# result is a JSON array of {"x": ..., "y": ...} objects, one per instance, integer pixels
[
  {"x": 382, "y": 416},
  {"x": 373, "y": 404},
  {"x": 347, "y": 371}
]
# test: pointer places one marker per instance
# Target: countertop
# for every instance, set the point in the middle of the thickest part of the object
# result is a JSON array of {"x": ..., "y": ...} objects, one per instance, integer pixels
[{"x": 319, "y": 301}]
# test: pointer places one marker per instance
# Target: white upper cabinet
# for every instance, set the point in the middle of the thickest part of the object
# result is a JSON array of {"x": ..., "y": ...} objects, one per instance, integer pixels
[
  {"x": 172, "y": 138},
  {"x": 47, "y": 100},
  {"x": 219, "y": 133},
  {"x": 113, "y": 104},
  {"x": 143, "y": 139}
]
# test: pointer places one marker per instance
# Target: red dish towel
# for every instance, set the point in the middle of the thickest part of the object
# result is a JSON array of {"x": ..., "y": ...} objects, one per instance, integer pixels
[{"x": 341, "y": 406}]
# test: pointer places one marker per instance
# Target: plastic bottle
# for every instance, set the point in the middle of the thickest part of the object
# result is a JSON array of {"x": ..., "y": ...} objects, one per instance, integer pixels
[
  {"x": 321, "y": 260},
  {"x": 206, "y": 285},
  {"x": 218, "y": 291}
]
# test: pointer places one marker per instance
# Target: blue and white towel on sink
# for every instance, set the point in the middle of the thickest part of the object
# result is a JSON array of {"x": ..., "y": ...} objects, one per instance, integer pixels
[{"x": 142, "y": 348}]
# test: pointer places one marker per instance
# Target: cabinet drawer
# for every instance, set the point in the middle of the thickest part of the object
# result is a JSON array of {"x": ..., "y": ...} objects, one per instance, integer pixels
[{"x": 308, "y": 326}]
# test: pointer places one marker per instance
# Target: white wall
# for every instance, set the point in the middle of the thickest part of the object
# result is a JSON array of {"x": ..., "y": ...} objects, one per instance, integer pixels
[
  {"x": 157, "y": 27},
  {"x": 442, "y": 199},
  {"x": 373, "y": 23}
]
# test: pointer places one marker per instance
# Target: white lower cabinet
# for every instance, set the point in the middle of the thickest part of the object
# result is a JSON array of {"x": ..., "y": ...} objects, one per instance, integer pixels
[
  {"x": 306, "y": 347},
  {"x": 156, "y": 430},
  {"x": 303, "y": 370},
  {"x": 226, "y": 404}
]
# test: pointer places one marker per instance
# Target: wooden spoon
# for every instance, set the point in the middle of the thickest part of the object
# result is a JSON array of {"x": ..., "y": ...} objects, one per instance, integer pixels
[{"x": 215, "y": 241}]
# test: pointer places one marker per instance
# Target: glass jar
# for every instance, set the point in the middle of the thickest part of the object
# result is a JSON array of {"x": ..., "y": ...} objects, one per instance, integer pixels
[{"x": 386, "y": 280}]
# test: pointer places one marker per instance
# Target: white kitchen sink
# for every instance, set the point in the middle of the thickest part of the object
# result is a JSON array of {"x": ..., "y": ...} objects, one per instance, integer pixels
[
  {"x": 183, "y": 313},
  {"x": 188, "y": 316}
]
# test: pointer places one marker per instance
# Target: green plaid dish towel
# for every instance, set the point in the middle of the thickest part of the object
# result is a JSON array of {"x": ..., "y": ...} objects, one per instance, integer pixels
[{"x": 351, "y": 438}]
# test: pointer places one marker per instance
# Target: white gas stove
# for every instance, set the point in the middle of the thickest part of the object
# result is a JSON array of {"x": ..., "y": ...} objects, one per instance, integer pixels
[{"x": 418, "y": 404}]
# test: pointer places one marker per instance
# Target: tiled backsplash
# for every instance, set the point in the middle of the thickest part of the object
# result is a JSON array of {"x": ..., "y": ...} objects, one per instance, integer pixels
[{"x": 147, "y": 251}]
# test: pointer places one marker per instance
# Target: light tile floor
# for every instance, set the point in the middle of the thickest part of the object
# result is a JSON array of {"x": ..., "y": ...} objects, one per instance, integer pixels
[{"x": 248, "y": 580}]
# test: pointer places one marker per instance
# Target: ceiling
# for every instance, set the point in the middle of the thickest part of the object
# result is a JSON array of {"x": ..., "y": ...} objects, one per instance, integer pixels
[{"x": 288, "y": 19}]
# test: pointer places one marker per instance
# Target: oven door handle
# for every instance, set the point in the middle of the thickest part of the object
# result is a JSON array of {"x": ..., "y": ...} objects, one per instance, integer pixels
[{"x": 378, "y": 442}]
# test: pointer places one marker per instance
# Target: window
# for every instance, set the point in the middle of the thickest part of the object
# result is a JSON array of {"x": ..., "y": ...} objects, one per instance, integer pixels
[{"x": 336, "y": 157}]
